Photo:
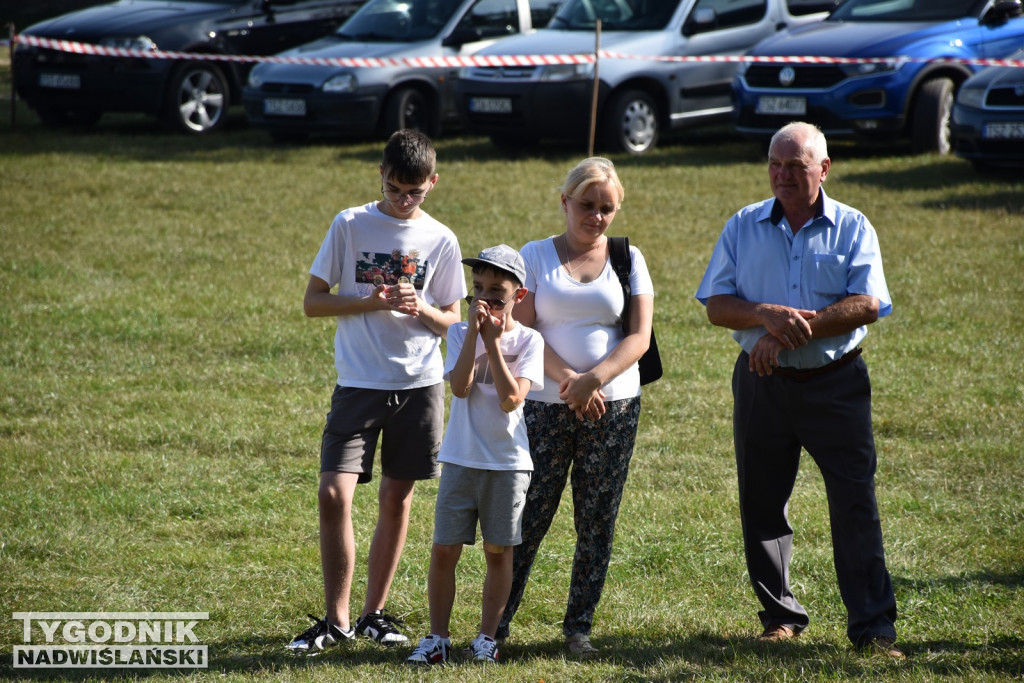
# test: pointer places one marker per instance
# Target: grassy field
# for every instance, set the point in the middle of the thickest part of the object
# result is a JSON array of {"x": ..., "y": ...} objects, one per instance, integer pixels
[{"x": 163, "y": 397}]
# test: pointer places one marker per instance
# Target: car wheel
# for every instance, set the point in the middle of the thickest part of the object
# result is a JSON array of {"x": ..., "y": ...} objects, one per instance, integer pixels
[
  {"x": 197, "y": 99},
  {"x": 57, "y": 117},
  {"x": 409, "y": 108},
  {"x": 631, "y": 123},
  {"x": 930, "y": 132}
]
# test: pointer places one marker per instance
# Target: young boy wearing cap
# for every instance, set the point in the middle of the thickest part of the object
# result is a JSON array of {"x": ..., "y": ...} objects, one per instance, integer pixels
[{"x": 491, "y": 364}]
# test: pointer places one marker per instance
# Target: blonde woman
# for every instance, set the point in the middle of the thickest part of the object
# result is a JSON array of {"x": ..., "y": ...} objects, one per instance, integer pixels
[{"x": 585, "y": 418}]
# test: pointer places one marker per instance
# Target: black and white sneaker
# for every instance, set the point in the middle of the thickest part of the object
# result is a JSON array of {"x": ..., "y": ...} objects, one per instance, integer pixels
[
  {"x": 318, "y": 637},
  {"x": 382, "y": 628}
]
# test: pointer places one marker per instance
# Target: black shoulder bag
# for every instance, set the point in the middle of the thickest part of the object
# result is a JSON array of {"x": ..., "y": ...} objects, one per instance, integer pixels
[{"x": 622, "y": 262}]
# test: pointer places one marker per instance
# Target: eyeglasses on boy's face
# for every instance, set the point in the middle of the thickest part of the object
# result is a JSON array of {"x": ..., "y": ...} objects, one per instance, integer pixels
[
  {"x": 414, "y": 197},
  {"x": 494, "y": 304}
]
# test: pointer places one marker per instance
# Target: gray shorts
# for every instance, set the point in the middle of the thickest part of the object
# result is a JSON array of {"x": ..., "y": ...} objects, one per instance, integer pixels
[
  {"x": 410, "y": 420},
  {"x": 466, "y": 494}
]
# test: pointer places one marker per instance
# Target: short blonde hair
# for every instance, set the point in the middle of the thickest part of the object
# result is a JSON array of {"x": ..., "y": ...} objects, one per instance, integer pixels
[{"x": 592, "y": 171}]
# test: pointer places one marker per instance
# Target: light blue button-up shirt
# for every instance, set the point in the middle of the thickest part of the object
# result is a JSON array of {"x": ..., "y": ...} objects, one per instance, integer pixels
[{"x": 835, "y": 255}]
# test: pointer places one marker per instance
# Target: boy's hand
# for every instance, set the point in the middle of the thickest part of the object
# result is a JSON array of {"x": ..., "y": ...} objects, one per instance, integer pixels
[
  {"x": 401, "y": 297},
  {"x": 491, "y": 327}
]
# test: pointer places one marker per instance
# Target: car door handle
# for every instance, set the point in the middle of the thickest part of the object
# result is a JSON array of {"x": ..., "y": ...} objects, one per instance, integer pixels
[{"x": 781, "y": 26}]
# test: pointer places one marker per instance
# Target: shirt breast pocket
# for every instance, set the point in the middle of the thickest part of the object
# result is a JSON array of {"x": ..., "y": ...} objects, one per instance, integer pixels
[{"x": 829, "y": 276}]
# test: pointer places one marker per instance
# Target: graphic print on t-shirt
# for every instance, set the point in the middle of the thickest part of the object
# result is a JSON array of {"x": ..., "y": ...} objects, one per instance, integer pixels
[
  {"x": 483, "y": 368},
  {"x": 373, "y": 268}
]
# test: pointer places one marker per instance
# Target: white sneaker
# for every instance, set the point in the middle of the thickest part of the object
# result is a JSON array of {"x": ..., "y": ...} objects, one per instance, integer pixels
[
  {"x": 485, "y": 649},
  {"x": 431, "y": 650}
]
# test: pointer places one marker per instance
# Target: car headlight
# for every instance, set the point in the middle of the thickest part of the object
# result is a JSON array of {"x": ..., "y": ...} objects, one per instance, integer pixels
[
  {"x": 255, "y": 80},
  {"x": 142, "y": 43},
  {"x": 341, "y": 83},
  {"x": 872, "y": 68},
  {"x": 566, "y": 72},
  {"x": 971, "y": 97}
]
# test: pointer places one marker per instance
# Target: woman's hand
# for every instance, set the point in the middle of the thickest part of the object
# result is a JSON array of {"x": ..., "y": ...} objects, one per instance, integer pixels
[{"x": 582, "y": 394}]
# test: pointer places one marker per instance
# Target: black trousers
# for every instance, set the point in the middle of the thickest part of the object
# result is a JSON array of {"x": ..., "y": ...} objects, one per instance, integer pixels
[{"x": 829, "y": 415}]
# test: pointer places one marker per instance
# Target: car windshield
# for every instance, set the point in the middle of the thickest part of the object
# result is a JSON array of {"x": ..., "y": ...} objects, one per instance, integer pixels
[
  {"x": 615, "y": 15},
  {"x": 398, "y": 20},
  {"x": 905, "y": 10}
]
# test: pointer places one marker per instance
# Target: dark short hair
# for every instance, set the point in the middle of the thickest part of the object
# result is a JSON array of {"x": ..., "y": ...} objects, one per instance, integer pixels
[
  {"x": 497, "y": 272},
  {"x": 409, "y": 157}
]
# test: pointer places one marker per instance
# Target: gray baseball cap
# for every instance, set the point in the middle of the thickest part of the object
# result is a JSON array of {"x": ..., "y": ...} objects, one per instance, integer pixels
[{"x": 503, "y": 257}]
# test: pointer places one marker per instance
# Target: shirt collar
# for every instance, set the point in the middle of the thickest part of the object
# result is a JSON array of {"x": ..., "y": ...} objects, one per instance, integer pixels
[{"x": 773, "y": 212}]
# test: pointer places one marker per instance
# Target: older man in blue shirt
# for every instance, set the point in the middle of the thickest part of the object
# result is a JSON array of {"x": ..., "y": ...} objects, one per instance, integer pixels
[{"x": 798, "y": 278}]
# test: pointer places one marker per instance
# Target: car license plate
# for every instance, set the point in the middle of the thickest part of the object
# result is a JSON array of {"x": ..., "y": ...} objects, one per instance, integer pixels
[
  {"x": 1004, "y": 131},
  {"x": 490, "y": 105},
  {"x": 284, "y": 107},
  {"x": 64, "y": 81},
  {"x": 782, "y": 105}
]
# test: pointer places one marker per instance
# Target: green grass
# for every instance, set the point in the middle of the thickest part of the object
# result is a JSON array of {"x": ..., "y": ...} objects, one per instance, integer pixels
[{"x": 163, "y": 397}]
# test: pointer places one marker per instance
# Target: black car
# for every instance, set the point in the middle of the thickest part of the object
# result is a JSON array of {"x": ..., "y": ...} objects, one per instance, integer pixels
[
  {"x": 191, "y": 96},
  {"x": 988, "y": 117}
]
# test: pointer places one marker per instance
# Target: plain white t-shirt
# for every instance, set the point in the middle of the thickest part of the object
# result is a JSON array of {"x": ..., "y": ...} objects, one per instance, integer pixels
[
  {"x": 386, "y": 349},
  {"x": 480, "y": 434},
  {"x": 581, "y": 321}
]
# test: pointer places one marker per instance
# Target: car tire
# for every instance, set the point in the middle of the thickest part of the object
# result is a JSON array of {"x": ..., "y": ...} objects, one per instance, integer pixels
[
  {"x": 932, "y": 109},
  {"x": 410, "y": 108},
  {"x": 197, "y": 99},
  {"x": 58, "y": 117},
  {"x": 631, "y": 123}
]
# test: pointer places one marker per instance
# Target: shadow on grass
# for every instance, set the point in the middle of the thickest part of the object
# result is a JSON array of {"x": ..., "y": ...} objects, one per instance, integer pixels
[
  {"x": 675, "y": 658},
  {"x": 1011, "y": 579}
]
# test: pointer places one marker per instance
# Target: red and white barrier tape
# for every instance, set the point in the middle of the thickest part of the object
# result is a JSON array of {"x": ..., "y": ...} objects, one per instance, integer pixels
[{"x": 480, "y": 60}]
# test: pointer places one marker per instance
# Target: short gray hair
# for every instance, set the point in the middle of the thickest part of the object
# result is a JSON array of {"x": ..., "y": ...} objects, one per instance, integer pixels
[{"x": 815, "y": 139}]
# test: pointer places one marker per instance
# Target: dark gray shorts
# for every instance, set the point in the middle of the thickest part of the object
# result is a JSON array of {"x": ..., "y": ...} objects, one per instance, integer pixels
[
  {"x": 495, "y": 497},
  {"x": 411, "y": 422}
]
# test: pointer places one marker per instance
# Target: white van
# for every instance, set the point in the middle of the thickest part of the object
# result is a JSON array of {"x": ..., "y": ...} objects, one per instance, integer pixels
[{"x": 637, "y": 99}]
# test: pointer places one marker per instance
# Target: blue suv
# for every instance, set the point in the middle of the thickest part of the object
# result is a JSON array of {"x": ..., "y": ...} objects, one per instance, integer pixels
[{"x": 908, "y": 96}]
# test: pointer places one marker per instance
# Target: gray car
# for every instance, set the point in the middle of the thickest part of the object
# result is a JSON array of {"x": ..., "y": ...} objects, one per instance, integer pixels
[
  {"x": 292, "y": 100},
  {"x": 638, "y": 99}
]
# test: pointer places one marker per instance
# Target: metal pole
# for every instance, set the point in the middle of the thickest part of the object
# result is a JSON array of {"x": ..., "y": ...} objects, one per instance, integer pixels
[
  {"x": 597, "y": 80},
  {"x": 10, "y": 47}
]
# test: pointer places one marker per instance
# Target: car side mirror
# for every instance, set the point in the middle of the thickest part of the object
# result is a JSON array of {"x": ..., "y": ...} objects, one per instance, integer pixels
[
  {"x": 462, "y": 35},
  {"x": 703, "y": 19},
  {"x": 1002, "y": 11}
]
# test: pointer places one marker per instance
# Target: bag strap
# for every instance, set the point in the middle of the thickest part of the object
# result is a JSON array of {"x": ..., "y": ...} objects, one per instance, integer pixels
[{"x": 622, "y": 263}]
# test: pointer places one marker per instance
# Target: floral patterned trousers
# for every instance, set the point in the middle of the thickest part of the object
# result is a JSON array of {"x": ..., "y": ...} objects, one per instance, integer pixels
[{"x": 598, "y": 453}]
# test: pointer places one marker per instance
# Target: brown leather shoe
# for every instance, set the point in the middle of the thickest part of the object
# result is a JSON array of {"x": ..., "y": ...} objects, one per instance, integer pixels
[
  {"x": 776, "y": 632},
  {"x": 884, "y": 646}
]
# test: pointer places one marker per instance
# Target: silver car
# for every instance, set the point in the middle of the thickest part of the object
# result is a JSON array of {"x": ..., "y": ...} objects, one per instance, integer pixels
[
  {"x": 638, "y": 99},
  {"x": 293, "y": 100}
]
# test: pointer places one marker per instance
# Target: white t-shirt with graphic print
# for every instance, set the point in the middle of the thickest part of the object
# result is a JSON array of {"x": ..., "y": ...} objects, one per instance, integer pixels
[
  {"x": 363, "y": 247},
  {"x": 480, "y": 434}
]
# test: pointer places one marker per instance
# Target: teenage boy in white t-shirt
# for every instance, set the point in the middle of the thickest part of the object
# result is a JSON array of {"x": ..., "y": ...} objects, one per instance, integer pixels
[
  {"x": 398, "y": 289},
  {"x": 491, "y": 363}
]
